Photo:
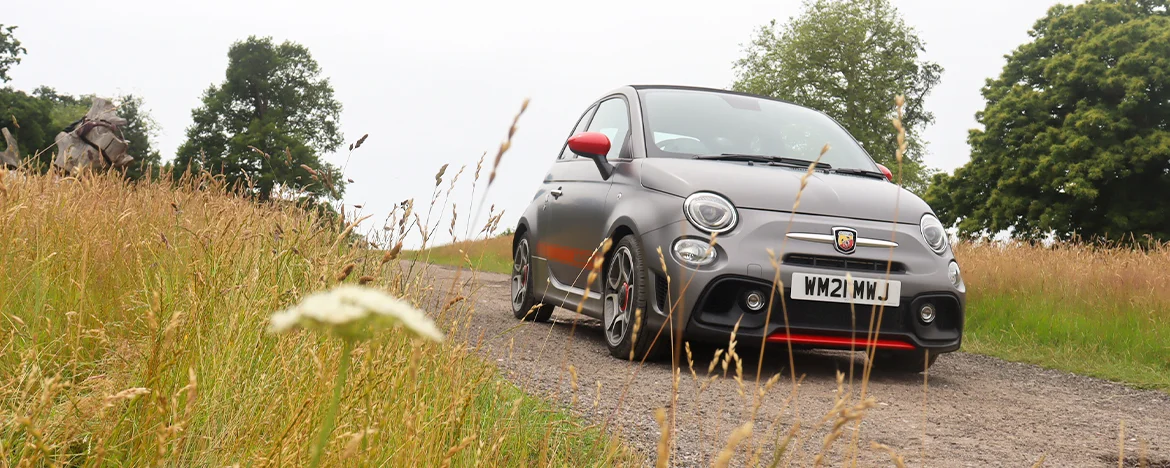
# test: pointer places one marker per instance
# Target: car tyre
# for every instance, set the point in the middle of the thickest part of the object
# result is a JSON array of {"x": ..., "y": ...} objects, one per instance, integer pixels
[
  {"x": 524, "y": 305},
  {"x": 625, "y": 285},
  {"x": 904, "y": 362}
]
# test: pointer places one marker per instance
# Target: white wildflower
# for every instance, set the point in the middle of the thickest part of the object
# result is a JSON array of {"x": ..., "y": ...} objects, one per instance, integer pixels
[{"x": 352, "y": 311}]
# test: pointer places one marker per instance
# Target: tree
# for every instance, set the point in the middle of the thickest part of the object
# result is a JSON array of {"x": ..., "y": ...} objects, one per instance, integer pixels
[
  {"x": 26, "y": 117},
  {"x": 1076, "y": 131},
  {"x": 274, "y": 100},
  {"x": 65, "y": 108},
  {"x": 10, "y": 51},
  {"x": 29, "y": 118},
  {"x": 849, "y": 59},
  {"x": 140, "y": 131}
]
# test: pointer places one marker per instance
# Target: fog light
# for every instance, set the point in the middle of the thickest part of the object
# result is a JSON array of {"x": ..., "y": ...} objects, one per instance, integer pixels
[
  {"x": 694, "y": 252},
  {"x": 926, "y": 313},
  {"x": 754, "y": 301}
]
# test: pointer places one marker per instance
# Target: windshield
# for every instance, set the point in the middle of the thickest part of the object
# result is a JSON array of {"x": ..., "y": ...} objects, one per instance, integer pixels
[{"x": 685, "y": 123}]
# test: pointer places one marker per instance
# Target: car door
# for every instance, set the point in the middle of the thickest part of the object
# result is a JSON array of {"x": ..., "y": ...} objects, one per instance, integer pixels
[
  {"x": 576, "y": 212},
  {"x": 548, "y": 249}
]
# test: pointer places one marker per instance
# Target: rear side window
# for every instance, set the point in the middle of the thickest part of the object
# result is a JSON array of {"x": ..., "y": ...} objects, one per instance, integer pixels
[
  {"x": 613, "y": 120},
  {"x": 565, "y": 153}
]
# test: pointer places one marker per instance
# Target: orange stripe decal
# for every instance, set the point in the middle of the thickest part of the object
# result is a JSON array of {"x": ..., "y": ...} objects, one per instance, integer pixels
[{"x": 576, "y": 258}]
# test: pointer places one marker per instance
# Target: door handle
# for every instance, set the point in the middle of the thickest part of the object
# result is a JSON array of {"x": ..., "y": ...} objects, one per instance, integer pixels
[{"x": 557, "y": 193}]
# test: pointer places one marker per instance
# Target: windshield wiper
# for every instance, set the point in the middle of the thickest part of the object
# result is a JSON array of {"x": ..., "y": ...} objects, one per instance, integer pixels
[
  {"x": 762, "y": 159},
  {"x": 861, "y": 172},
  {"x": 735, "y": 157},
  {"x": 800, "y": 162}
]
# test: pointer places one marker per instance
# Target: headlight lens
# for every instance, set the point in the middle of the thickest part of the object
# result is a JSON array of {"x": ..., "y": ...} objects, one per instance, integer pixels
[
  {"x": 933, "y": 233},
  {"x": 710, "y": 212},
  {"x": 694, "y": 252},
  {"x": 955, "y": 275}
]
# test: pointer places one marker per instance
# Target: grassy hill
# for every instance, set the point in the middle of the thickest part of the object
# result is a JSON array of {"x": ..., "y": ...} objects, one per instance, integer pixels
[{"x": 493, "y": 254}]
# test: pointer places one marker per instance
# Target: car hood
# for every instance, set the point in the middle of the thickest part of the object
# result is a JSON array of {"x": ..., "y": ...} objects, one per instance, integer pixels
[{"x": 774, "y": 188}]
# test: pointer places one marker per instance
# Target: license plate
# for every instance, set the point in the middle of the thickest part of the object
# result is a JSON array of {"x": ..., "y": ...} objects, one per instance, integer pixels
[{"x": 830, "y": 288}]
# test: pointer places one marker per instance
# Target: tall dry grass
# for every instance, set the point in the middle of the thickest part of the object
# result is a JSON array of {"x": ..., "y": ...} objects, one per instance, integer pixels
[{"x": 133, "y": 335}]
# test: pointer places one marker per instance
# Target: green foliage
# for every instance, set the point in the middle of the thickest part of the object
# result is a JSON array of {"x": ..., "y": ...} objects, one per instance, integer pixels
[
  {"x": 1076, "y": 131},
  {"x": 66, "y": 108},
  {"x": 139, "y": 131},
  {"x": 29, "y": 118},
  {"x": 274, "y": 100},
  {"x": 849, "y": 60},
  {"x": 10, "y": 51}
]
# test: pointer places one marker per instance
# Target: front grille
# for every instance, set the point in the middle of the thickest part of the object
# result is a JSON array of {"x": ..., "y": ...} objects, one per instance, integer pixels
[
  {"x": 839, "y": 263},
  {"x": 721, "y": 306}
]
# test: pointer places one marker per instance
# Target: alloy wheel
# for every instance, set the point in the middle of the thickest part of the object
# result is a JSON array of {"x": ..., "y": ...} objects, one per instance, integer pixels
[
  {"x": 520, "y": 275},
  {"x": 619, "y": 296}
]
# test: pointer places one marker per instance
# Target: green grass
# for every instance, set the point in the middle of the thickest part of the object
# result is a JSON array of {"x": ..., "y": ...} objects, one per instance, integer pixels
[
  {"x": 1119, "y": 344},
  {"x": 1092, "y": 311},
  {"x": 491, "y": 255},
  {"x": 132, "y": 333}
]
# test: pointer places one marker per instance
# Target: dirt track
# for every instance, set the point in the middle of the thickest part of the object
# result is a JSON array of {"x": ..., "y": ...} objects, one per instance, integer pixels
[{"x": 980, "y": 411}]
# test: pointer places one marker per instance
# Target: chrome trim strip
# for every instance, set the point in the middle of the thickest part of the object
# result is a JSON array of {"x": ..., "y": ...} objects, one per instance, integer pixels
[
  {"x": 828, "y": 239},
  {"x": 822, "y": 238},
  {"x": 867, "y": 242}
]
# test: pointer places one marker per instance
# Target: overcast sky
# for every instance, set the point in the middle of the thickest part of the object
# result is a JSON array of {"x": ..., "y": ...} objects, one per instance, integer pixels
[{"x": 437, "y": 82}]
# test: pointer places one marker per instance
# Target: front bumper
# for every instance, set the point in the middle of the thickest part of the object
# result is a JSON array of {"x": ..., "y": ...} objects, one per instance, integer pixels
[{"x": 707, "y": 302}]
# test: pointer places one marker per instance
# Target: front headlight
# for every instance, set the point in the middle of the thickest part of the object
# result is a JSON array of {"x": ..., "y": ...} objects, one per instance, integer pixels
[
  {"x": 933, "y": 233},
  {"x": 710, "y": 212}
]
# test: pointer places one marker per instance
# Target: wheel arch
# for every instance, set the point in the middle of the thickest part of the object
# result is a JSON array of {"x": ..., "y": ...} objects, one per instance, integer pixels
[
  {"x": 621, "y": 227},
  {"x": 620, "y": 230},
  {"x": 521, "y": 229}
]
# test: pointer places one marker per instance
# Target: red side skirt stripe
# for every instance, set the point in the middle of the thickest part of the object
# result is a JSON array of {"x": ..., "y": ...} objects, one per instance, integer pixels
[{"x": 837, "y": 341}]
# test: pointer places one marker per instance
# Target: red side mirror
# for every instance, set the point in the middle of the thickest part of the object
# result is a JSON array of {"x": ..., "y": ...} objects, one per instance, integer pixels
[
  {"x": 886, "y": 172},
  {"x": 589, "y": 144}
]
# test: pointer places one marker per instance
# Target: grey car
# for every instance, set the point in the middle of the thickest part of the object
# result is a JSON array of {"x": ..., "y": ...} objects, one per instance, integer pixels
[{"x": 660, "y": 170}]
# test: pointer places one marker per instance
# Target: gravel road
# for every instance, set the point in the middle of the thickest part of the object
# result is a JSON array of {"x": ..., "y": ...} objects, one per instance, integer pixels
[{"x": 979, "y": 411}]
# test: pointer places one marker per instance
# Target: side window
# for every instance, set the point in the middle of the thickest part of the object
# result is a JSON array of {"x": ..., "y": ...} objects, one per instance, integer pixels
[
  {"x": 613, "y": 120},
  {"x": 565, "y": 153}
]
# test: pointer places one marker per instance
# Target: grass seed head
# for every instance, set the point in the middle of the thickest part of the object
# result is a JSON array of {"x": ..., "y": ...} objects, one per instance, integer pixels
[
  {"x": 663, "y": 439},
  {"x": 737, "y": 436},
  {"x": 894, "y": 457},
  {"x": 345, "y": 272}
]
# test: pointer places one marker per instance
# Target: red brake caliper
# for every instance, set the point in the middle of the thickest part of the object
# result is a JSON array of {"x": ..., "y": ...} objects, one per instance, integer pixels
[
  {"x": 626, "y": 296},
  {"x": 524, "y": 276}
]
